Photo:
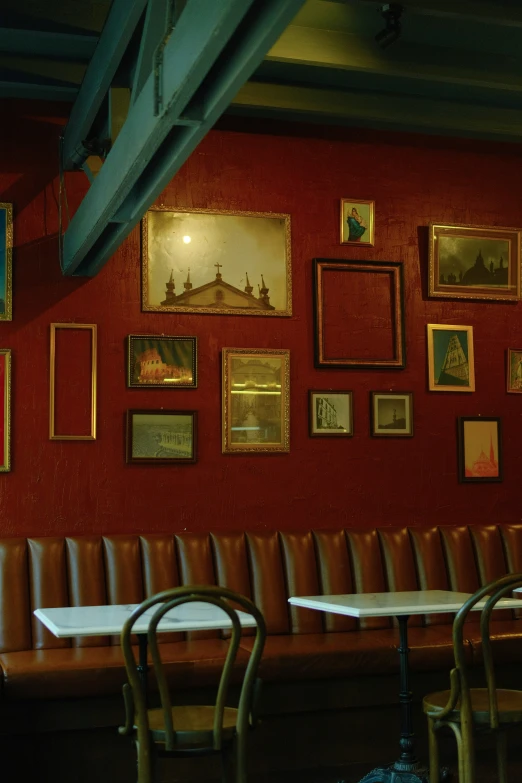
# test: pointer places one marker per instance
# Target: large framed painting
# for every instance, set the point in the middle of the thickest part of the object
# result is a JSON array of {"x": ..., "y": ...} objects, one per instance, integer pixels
[
  {"x": 391, "y": 414},
  {"x": 6, "y": 251},
  {"x": 161, "y": 362},
  {"x": 159, "y": 437},
  {"x": 479, "y": 449},
  {"x": 357, "y": 222},
  {"x": 514, "y": 371},
  {"x": 256, "y": 400},
  {"x": 207, "y": 261},
  {"x": 330, "y": 414},
  {"x": 474, "y": 262},
  {"x": 5, "y": 419},
  {"x": 451, "y": 364},
  {"x": 359, "y": 314}
]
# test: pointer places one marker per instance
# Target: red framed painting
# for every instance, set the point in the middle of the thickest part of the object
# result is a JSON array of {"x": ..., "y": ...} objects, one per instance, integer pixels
[{"x": 5, "y": 420}]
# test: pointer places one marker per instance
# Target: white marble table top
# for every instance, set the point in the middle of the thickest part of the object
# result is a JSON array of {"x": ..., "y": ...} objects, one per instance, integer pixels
[
  {"x": 95, "y": 620},
  {"x": 395, "y": 604}
]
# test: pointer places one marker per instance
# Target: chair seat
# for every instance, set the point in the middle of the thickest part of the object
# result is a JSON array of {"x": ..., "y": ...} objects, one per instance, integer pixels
[
  {"x": 193, "y": 725},
  {"x": 509, "y": 705}
]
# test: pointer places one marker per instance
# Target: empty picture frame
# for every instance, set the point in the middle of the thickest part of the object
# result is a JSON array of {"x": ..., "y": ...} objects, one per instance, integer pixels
[
  {"x": 359, "y": 314},
  {"x": 6, "y": 249},
  {"x": 5, "y": 420},
  {"x": 72, "y": 382}
]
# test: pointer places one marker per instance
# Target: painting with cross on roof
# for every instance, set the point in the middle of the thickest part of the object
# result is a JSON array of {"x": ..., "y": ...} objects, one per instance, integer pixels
[{"x": 207, "y": 261}]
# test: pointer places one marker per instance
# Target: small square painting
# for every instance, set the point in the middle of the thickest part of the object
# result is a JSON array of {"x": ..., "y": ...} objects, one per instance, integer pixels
[
  {"x": 357, "y": 222},
  {"x": 392, "y": 414},
  {"x": 330, "y": 413}
]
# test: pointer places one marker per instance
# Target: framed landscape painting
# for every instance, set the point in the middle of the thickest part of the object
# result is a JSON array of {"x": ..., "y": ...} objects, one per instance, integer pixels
[
  {"x": 256, "y": 400},
  {"x": 208, "y": 261},
  {"x": 479, "y": 449},
  {"x": 514, "y": 371},
  {"x": 5, "y": 420},
  {"x": 330, "y": 414},
  {"x": 357, "y": 222},
  {"x": 474, "y": 262},
  {"x": 158, "y": 436},
  {"x": 6, "y": 273},
  {"x": 391, "y": 414},
  {"x": 451, "y": 364},
  {"x": 161, "y": 362}
]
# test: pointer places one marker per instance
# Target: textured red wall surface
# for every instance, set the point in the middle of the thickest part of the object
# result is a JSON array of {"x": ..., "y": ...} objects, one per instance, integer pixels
[{"x": 86, "y": 487}]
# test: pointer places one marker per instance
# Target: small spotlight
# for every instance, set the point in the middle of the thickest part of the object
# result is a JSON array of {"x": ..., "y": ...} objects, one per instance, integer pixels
[
  {"x": 392, "y": 13},
  {"x": 187, "y": 240}
]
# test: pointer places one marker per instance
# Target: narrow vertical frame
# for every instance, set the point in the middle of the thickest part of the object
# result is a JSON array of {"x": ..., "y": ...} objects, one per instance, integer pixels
[
  {"x": 6, "y": 261},
  {"x": 52, "y": 382},
  {"x": 5, "y": 385}
]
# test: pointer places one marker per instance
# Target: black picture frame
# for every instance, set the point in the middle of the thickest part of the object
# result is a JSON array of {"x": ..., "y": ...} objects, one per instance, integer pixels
[
  {"x": 393, "y": 427},
  {"x": 173, "y": 361},
  {"x": 169, "y": 444},
  {"x": 478, "y": 465},
  {"x": 329, "y": 430}
]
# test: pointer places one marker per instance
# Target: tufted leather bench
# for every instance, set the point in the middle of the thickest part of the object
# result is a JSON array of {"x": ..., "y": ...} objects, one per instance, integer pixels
[{"x": 303, "y": 646}]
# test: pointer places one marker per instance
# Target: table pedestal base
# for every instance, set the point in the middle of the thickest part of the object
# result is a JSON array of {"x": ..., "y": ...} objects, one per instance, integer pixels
[{"x": 396, "y": 773}]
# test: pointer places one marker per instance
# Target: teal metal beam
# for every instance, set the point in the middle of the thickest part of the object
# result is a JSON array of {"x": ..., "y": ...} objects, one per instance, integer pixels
[
  {"x": 119, "y": 28},
  {"x": 153, "y": 33},
  {"x": 212, "y": 51},
  {"x": 55, "y": 46}
]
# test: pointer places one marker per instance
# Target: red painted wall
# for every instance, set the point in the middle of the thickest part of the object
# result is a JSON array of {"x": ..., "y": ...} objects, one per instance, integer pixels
[{"x": 86, "y": 487}]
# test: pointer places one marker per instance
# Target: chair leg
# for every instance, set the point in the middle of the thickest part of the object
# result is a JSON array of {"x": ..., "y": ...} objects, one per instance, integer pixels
[
  {"x": 466, "y": 752},
  {"x": 433, "y": 752},
  {"x": 228, "y": 762},
  {"x": 241, "y": 759},
  {"x": 145, "y": 764},
  {"x": 501, "y": 740}
]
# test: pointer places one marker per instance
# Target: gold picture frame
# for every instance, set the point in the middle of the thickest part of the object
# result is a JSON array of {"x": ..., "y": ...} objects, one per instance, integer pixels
[
  {"x": 256, "y": 400},
  {"x": 474, "y": 262},
  {"x": 5, "y": 392},
  {"x": 216, "y": 262},
  {"x": 6, "y": 262},
  {"x": 514, "y": 371},
  {"x": 53, "y": 435},
  {"x": 451, "y": 361},
  {"x": 357, "y": 222}
]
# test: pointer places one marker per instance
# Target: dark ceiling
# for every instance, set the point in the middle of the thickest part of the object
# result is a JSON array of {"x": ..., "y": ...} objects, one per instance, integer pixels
[{"x": 455, "y": 69}]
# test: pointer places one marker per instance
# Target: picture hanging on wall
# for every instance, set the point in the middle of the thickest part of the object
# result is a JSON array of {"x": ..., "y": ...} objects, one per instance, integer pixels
[
  {"x": 208, "y": 261},
  {"x": 451, "y": 365},
  {"x": 158, "y": 436},
  {"x": 330, "y": 414},
  {"x": 6, "y": 274},
  {"x": 391, "y": 414},
  {"x": 161, "y": 362},
  {"x": 474, "y": 262},
  {"x": 5, "y": 421},
  {"x": 514, "y": 371},
  {"x": 256, "y": 400},
  {"x": 357, "y": 222},
  {"x": 479, "y": 449}
]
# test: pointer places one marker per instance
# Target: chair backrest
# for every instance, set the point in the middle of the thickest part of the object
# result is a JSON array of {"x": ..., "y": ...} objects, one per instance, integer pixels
[
  {"x": 229, "y": 602},
  {"x": 492, "y": 593}
]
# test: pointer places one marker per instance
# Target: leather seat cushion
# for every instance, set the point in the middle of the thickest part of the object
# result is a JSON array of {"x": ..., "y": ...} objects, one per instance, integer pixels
[
  {"x": 100, "y": 671},
  {"x": 506, "y": 641}
]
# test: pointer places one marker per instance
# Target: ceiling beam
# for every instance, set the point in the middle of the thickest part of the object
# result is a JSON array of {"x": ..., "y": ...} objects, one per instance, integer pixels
[
  {"x": 55, "y": 46},
  {"x": 41, "y": 92},
  {"x": 212, "y": 51},
  {"x": 378, "y": 110}
]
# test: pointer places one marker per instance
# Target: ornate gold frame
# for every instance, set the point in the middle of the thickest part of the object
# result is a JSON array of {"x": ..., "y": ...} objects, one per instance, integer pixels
[
  {"x": 371, "y": 228},
  {"x": 8, "y": 314},
  {"x": 6, "y": 467},
  {"x": 146, "y": 307},
  {"x": 264, "y": 448},
  {"x": 52, "y": 382},
  {"x": 431, "y": 328}
]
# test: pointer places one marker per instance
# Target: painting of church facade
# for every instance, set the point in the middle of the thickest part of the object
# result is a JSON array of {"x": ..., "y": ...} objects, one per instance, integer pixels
[
  {"x": 480, "y": 449},
  {"x": 450, "y": 358},
  {"x": 204, "y": 261},
  {"x": 6, "y": 244},
  {"x": 474, "y": 262}
]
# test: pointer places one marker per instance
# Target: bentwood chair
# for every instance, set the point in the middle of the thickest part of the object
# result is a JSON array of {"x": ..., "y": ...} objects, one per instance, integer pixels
[
  {"x": 193, "y": 730},
  {"x": 468, "y": 711}
]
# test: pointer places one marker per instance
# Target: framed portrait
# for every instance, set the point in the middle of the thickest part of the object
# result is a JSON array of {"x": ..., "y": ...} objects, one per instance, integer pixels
[
  {"x": 359, "y": 314},
  {"x": 391, "y": 414},
  {"x": 5, "y": 421},
  {"x": 6, "y": 257},
  {"x": 208, "y": 261},
  {"x": 330, "y": 414},
  {"x": 479, "y": 449},
  {"x": 256, "y": 400},
  {"x": 514, "y": 371},
  {"x": 474, "y": 262},
  {"x": 451, "y": 364},
  {"x": 156, "y": 437},
  {"x": 357, "y": 222},
  {"x": 161, "y": 362}
]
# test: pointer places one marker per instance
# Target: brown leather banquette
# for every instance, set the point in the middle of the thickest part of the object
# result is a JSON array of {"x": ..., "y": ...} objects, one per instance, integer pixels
[{"x": 267, "y": 566}]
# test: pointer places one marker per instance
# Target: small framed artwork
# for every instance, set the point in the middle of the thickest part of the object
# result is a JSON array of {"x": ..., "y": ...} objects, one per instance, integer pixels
[
  {"x": 359, "y": 314},
  {"x": 357, "y": 222},
  {"x": 474, "y": 262},
  {"x": 514, "y": 371},
  {"x": 210, "y": 261},
  {"x": 451, "y": 365},
  {"x": 256, "y": 400},
  {"x": 156, "y": 437},
  {"x": 5, "y": 421},
  {"x": 330, "y": 414},
  {"x": 6, "y": 251},
  {"x": 161, "y": 362},
  {"x": 479, "y": 449},
  {"x": 391, "y": 414}
]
